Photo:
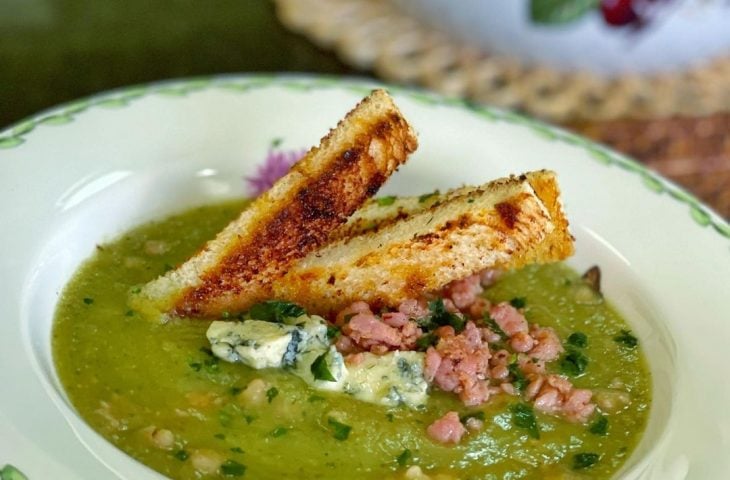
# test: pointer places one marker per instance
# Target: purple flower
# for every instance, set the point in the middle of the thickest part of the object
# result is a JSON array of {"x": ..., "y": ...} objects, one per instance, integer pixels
[{"x": 275, "y": 166}]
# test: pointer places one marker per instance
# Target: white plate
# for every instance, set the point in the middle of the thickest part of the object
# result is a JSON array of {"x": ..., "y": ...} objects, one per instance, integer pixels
[{"x": 84, "y": 172}]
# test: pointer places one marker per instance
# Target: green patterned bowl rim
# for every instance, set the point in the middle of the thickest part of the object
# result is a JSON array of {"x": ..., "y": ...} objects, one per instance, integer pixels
[{"x": 21, "y": 132}]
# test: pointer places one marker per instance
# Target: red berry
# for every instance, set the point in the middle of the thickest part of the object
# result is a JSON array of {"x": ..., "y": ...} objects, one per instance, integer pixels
[{"x": 618, "y": 12}]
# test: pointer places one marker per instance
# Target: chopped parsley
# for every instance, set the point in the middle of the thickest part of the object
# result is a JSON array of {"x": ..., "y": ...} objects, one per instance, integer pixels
[
  {"x": 129, "y": 313},
  {"x": 339, "y": 430},
  {"x": 404, "y": 457},
  {"x": 584, "y": 460},
  {"x": 573, "y": 363},
  {"x": 181, "y": 455},
  {"x": 390, "y": 416},
  {"x": 600, "y": 426},
  {"x": 440, "y": 316},
  {"x": 316, "y": 398},
  {"x": 493, "y": 326},
  {"x": 279, "y": 431},
  {"x": 232, "y": 468},
  {"x": 627, "y": 339},
  {"x": 195, "y": 366},
  {"x": 225, "y": 418},
  {"x": 235, "y": 390},
  {"x": 518, "y": 302},
  {"x": 321, "y": 370},
  {"x": 275, "y": 311},
  {"x": 425, "y": 341},
  {"x": 385, "y": 201},
  {"x": 272, "y": 393},
  {"x": 88, "y": 300},
  {"x": 237, "y": 450},
  {"x": 219, "y": 436},
  {"x": 519, "y": 380},
  {"x": 524, "y": 417},
  {"x": 578, "y": 339},
  {"x": 249, "y": 419},
  {"x": 332, "y": 331}
]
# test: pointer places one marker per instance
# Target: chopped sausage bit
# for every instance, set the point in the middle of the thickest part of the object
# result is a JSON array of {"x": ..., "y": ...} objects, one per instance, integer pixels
[
  {"x": 159, "y": 437},
  {"x": 447, "y": 429}
]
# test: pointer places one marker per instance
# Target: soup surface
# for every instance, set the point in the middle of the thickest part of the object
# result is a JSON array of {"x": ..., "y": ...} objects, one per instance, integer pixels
[{"x": 156, "y": 392}]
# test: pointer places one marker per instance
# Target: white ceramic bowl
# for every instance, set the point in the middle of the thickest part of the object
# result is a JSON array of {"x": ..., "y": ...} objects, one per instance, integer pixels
[
  {"x": 82, "y": 173},
  {"x": 683, "y": 33}
]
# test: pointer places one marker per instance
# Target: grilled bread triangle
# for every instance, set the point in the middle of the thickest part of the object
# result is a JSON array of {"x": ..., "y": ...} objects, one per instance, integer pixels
[
  {"x": 295, "y": 217},
  {"x": 417, "y": 249}
]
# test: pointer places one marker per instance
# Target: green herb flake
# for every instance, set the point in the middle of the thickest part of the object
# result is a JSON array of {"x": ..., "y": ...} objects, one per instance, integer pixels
[
  {"x": 332, "y": 331},
  {"x": 519, "y": 380},
  {"x": 237, "y": 450},
  {"x": 279, "y": 432},
  {"x": 584, "y": 460},
  {"x": 129, "y": 313},
  {"x": 211, "y": 365},
  {"x": 276, "y": 142},
  {"x": 440, "y": 316},
  {"x": 493, "y": 326},
  {"x": 181, "y": 455},
  {"x": 321, "y": 370},
  {"x": 249, "y": 419},
  {"x": 627, "y": 339},
  {"x": 390, "y": 417},
  {"x": 427, "y": 196},
  {"x": 235, "y": 390},
  {"x": 524, "y": 417},
  {"x": 219, "y": 436},
  {"x": 137, "y": 290},
  {"x": 232, "y": 468},
  {"x": 275, "y": 311},
  {"x": 315, "y": 398},
  {"x": 518, "y": 302},
  {"x": 573, "y": 363},
  {"x": 272, "y": 393},
  {"x": 578, "y": 339},
  {"x": 404, "y": 457},
  {"x": 88, "y": 300},
  {"x": 385, "y": 201},
  {"x": 339, "y": 430},
  {"x": 225, "y": 418},
  {"x": 425, "y": 341},
  {"x": 195, "y": 366},
  {"x": 600, "y": 426}
]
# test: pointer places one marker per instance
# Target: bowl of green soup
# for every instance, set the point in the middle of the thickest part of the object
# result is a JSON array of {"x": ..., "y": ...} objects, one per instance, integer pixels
[{"x": 103, "y": 195}]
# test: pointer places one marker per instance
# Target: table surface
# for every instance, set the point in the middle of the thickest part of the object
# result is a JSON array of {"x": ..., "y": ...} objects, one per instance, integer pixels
[{"x": 53, "y": 51}]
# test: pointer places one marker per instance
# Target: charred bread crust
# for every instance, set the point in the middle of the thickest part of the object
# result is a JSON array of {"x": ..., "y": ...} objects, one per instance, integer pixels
[
  {"x": 295, "y": 217},
  {"x": 501, "y": 224}
]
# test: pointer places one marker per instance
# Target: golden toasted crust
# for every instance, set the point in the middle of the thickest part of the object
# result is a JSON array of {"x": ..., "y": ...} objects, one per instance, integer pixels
[
  {"x": 497, "y": 225},
  {"x": 296, "y": 216}
]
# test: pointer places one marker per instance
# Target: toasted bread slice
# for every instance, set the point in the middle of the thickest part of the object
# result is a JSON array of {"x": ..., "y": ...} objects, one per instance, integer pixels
[
  {"x": 503, "y": 224},
  {"x": 296, "y": 216}
]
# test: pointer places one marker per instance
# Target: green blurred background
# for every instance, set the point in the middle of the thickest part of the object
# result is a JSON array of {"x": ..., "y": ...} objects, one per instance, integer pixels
[{"x": 52, "y": 51}]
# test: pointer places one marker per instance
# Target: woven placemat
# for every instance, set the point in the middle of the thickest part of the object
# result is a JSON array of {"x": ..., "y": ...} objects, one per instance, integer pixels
[
  {"x": 694, "y": 152},
  {"x": 375, "y": 35}
]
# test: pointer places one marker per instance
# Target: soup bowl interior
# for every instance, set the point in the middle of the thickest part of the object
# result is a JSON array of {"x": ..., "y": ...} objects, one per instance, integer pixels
[{"x": 129, "y": 174}]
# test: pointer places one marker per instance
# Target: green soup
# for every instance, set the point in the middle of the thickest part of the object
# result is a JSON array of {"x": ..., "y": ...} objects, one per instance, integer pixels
[{"x": 155, "y": 391}]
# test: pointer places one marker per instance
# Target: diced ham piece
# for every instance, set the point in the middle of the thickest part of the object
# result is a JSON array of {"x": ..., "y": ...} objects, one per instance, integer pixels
[
  {"x": 395, "y": 319},
  {"x": 477, "y": 309},
  {"x": 521, "y": 342},
  {"x": 414, "y": 308},
  {"x": 447, "y": 429},
  {"x": 547, "y": 344},
  {"x": 368, "y": 330},
  {"x": 509, "y": 319},
  {"x": 460, "y": 364},
  {"x": 577, "y": 406},
  {"x": 351, "y": 311},
  {"x": 464, "y": 292},
  {"x": 489, "y": 276}
]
